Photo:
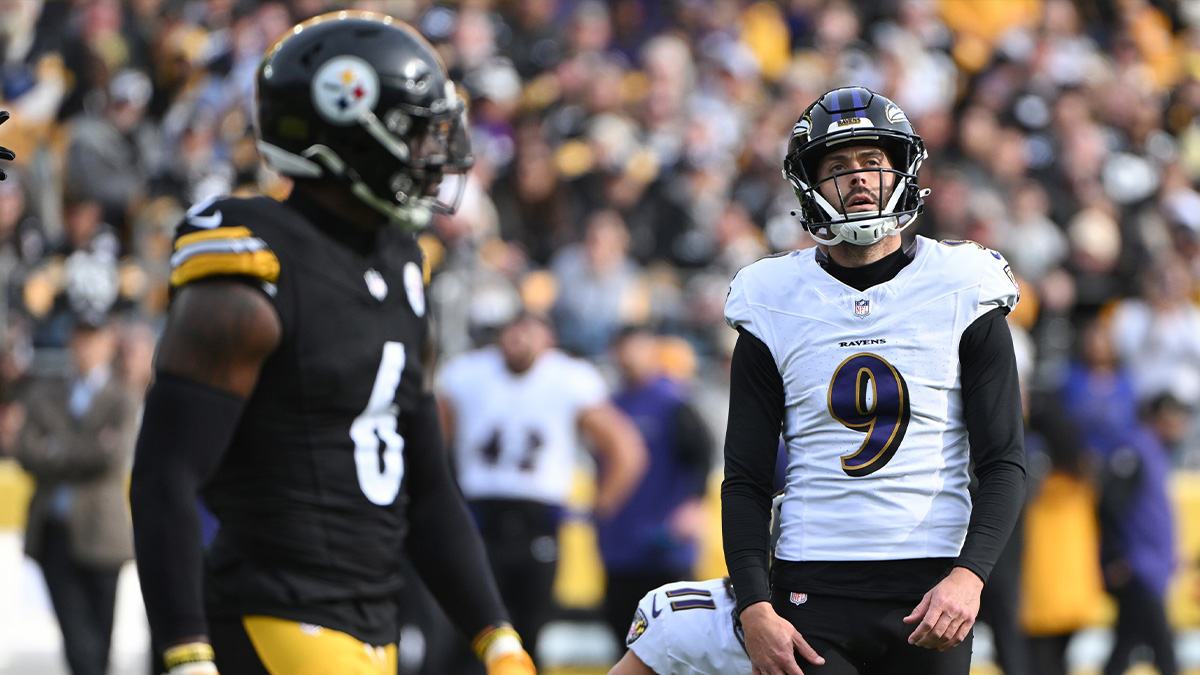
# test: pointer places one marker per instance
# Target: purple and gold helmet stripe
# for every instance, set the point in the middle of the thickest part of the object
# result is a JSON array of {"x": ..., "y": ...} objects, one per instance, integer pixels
[{"x": 856, "y": 102}]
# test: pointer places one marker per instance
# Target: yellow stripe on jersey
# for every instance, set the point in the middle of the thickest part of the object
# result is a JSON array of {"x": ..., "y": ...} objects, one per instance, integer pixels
[
  {"x": 262, "y": 265},
  {"x": 222, "y": 245},
  {"x": 291, "y": 648},
  {"x": 222, "y": 251},
  {"x": 217, "y": 233}
]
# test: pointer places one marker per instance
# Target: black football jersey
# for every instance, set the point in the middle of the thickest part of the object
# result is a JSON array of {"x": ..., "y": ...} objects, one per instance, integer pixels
[{"x": 310, "y": 494}]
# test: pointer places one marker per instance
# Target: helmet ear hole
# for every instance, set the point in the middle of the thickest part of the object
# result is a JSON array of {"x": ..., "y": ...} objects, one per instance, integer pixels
[
  {"x": 398, "y": 122},
  {"x": 401, "y": 184}
]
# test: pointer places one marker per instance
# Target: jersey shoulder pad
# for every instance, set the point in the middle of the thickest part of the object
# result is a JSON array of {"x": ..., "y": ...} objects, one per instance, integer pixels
[
  {"x": 676, "y": 621},
  {"x": 218, "y": 238},
  {"x": 647, "y": 628},
  {"x": 466, "y": 369},
  {"x": 583, "y": 382},
  {"x": 987, "y": 269},
  {"x": 753, "y": 288}
]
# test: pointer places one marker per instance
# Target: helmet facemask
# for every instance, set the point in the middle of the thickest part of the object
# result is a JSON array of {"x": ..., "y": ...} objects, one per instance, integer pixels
[{"x": 433, "y": 149}]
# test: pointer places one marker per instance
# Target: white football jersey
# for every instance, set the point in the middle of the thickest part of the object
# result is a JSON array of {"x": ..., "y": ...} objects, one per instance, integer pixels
[
  {"x": 687, "y": 628},
  {"x": 516, "y": 434},
  {"x": 877, "y": 447}
]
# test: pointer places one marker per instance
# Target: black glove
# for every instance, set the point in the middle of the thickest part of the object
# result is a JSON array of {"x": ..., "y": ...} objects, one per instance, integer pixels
[{"x": 5, "y": 153}]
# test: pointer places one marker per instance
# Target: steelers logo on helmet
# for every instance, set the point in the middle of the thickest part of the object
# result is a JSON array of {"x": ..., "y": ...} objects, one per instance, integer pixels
[{"x": 343, "y": 88}]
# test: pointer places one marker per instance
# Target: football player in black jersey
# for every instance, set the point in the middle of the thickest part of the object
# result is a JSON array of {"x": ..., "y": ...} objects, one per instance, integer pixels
[{"x": 290, "y": 386}]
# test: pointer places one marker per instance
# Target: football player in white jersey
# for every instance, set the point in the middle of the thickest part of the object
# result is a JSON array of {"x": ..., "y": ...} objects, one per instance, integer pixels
[
  {"x": 685, "y": 642},
  {"x": 889, "y": 370},
  {"x": 514, "y": 415},
  {"x": 685, "y": 628}
]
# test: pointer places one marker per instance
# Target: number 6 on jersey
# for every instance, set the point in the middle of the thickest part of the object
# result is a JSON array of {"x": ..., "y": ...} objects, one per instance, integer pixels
[
  {"x": 867, "y": 394},
  {"x": 380, "y": 472}
]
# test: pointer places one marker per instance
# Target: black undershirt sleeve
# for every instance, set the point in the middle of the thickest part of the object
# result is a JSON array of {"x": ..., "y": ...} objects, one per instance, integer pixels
[
  {"x": 751, "y": 448},
  {"x": 443, "y": 542},
  {"x": 186, "y": 428},
  {"x": 992, "y": 413}
]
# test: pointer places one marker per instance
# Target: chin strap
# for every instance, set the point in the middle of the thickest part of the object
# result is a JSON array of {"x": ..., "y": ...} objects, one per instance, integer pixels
[
  {"x": 319, "y": 161},
  {"x": 408, "y": 218},
  {"x": 884, "y": 225},
  {"x": 411, "y": 217}
]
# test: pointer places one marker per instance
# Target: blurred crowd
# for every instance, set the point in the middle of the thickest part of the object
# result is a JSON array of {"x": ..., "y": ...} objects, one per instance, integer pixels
[{"x": 628, "y": 157}]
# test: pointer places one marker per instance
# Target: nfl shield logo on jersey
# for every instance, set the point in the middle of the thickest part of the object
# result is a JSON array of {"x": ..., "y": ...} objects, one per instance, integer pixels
[
  {"x": 862, "y": 308},
  {"x": 800, "y": 598},
  {"x": 375, "y": 284}
]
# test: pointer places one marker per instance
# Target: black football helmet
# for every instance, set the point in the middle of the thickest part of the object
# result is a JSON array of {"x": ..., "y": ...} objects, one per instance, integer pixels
[
  {"x": 855, "y": 115},
  {"x": 364, "y": 99}
]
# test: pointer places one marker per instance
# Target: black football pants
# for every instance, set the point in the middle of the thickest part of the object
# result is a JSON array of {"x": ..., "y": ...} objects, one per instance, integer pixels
[
  {"x": 1141, "y": 620},
  {"x": 866, "y": 637},
  {"x": 84, "y": 599},
  {"x": 521, "y": 538}
]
